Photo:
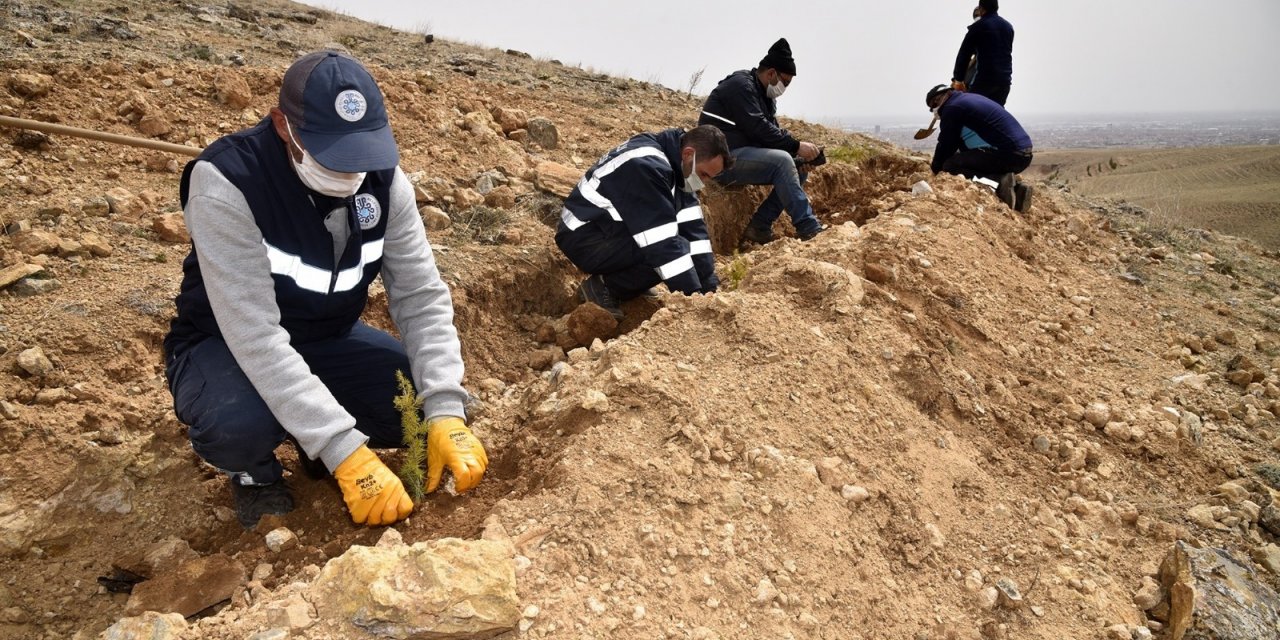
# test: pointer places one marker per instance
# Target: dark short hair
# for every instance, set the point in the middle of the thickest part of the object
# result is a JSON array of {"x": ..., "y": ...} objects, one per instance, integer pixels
[
  {"x": 990, "y": 6},
  {"x": 708, "y": 141}
]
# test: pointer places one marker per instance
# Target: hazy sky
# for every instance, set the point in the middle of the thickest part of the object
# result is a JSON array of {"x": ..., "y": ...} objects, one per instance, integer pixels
[{"x": 863, "y": 61}]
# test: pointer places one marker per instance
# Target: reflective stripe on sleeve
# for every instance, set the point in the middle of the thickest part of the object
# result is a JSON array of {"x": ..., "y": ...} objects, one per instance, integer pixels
[
  {"x": 699, "y": 246},
  {"x": 571, "y": 221},
  {"x": 675, "y": 267},
  {"x": 656, "y": 234},
  {"x": 689, "y": 214}
]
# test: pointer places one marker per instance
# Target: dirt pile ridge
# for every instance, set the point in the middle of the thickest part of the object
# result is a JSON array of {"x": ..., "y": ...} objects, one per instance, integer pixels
[{"x": 939, "y": 419}]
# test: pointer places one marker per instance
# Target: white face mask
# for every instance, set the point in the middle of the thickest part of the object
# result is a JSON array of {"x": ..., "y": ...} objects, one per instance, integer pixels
[
  {"x": 775, "y": 90},
  {"x": 321, "y": 180},
  {"x": 692, "y": 182}
]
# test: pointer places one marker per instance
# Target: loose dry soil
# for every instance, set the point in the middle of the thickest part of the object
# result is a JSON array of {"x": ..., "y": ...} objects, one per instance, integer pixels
[{"x": 857, "y": 441}]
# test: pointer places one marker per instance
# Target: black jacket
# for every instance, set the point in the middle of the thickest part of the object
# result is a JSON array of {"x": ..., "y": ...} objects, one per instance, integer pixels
[
  {"x": 991, "y": 39},
  {"x": 741, "y": 109},
  {"x": 639, "y": 186}
]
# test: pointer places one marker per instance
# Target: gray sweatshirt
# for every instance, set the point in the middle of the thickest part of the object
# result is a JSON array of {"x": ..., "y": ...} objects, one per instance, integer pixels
[{"x": 237, "y": 279}]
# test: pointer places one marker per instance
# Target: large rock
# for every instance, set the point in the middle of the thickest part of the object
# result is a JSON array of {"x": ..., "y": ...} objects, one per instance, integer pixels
[
  {"x": 148, "y": 626},
  {"x": 171, "y": 228},
  {"x": 122, "y": 202},
  {"x": 10, "y": 275},
  {"x": 445, "y": 588},
  {"x": 590, "y": 322},
  {"x": 543, "y": 132},
  {"x": 30, "y": 85},
  {"x": 162, "y": 557},
  {"x": 555, "y": 178},
  {"x": 195, "y": 586},
  {"x": 232, "y": 90},
  {"x": 510, "y": 119},
  {"x": 34, "y": 362},
  {"x": 34, "y": 243},
  {"x": 1213, "y": 596}
]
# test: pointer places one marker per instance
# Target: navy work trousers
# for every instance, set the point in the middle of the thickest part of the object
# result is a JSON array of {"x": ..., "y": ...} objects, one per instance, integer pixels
[{"x": 232, "y": 428}]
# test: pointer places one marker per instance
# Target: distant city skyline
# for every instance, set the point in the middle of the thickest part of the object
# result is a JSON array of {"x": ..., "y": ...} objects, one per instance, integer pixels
[{"x": 855, "y": 57}]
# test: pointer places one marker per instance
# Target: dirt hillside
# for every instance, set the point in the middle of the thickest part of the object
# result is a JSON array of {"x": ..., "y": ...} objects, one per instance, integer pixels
[
  {"x": 860, "y": 437},
  {"x": 1233, "y": 190}
]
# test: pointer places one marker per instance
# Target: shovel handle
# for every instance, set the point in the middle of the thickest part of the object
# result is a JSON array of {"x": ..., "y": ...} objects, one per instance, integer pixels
[{"x": 61, "y": 129}]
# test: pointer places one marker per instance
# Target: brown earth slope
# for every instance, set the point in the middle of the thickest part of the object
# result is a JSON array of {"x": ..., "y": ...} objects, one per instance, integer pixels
[
  {"x": 1233, "y": 190},
  {"x": 859, "y": 440}
]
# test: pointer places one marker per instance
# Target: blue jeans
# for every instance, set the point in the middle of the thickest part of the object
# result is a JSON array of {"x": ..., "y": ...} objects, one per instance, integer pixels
[
  {"x": 755, "y": 165},
  {"x": 232, "y": 428}
]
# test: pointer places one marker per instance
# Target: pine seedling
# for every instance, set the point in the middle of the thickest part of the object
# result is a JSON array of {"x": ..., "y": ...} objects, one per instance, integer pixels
[
  {"x": 415, "y": 438},
  {"x": 736, "y": 272}
]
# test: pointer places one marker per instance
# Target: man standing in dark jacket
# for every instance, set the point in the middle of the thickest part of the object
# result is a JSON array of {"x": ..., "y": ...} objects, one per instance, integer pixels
[
  {"x": 634, "y": 219},
  {"x": 990, "y": 38},
  {"x": 744, "y": 106},
  {"x": 1010, "y": 148}
]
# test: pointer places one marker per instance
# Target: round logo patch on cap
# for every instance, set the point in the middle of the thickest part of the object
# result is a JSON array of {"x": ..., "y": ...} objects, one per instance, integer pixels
[
  {"x": 368, "y": 211},
  {"x": 351, "y": 105}
]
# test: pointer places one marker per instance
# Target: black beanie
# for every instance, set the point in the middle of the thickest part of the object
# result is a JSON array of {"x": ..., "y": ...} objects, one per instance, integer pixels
[{"x": 779, "y": 57}]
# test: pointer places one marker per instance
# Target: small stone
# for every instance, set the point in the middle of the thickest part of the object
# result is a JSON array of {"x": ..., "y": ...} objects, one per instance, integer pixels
[
  {"x": 855, "y": 494},
  {"x": 35, "y": 363},
  {"x": 1148, "y": 595},
  {"x": 531, "y": 611},
  {"x": 8, "y": 411},
  {"x": 921, "y": 188},
  {"x": 281, "y": 539},
  {"x": 973, "y": 581},
  {"x": 148, "y": 626},
  {"x": 1118, "y": 430},
  {"x": 595, "y": 401},
  {"x": 766, "y": 593},
  {"x": 988, "y": 598},
  {"x": 1010, "y": 596},
  {"x": 269, "y": 634},
  {"x": 171, "y": 228},
  {"x": 1041, "y": 444},
  {"x": 1097, "y": 414},
  {"x": 262, "y": 572},
  {"x": 29, "y": 287},
  {"x": 34, "y": 243},
  {"x": 1118, "y": 632},
  {"x": 1269, "y": 557},
  {"x": 435, "y": 218},
  {"x": 543, "y": 132}
]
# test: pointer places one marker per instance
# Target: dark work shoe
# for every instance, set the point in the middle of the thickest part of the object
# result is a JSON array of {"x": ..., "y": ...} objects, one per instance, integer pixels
[
  {"x": 1022, "y": 197},
  {"x": 809, "y": 235},
  {"x": 758, "y": 236},
  {"x": 254, "y": 501},
  {"x": 1004, "y": 189},
  {"x": 594, "y": 290}
]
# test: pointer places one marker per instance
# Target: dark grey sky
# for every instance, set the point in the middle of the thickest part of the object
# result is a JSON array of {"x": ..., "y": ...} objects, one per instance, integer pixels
[{"x": 862, "y": 61}]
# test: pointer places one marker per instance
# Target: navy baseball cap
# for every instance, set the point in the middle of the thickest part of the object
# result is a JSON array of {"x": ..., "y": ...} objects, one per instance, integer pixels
[{"x": 336, "y": 110}]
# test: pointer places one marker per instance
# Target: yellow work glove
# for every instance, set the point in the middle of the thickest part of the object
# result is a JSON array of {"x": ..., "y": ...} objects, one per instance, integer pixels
[
  {"x": 450, "y": 443},
  {"x": 374, "y": 495}
]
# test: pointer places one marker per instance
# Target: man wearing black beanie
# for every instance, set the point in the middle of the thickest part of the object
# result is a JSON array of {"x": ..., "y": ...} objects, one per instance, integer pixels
[
  {"x": 744, "y": 105},
  {"x": 990, "y": 39}
]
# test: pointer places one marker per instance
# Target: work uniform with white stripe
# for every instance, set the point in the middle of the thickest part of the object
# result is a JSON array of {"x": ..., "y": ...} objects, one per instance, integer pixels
[
  {"x": 630, "y": 221},
  {"x": 267, "y": 342}
]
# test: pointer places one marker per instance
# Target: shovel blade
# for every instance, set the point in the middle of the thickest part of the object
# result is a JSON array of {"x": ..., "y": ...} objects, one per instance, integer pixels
[{"x": 923, "y": 133}]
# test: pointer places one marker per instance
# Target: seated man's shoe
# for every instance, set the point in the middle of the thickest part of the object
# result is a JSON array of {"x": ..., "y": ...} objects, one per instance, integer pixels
[
  {"x": 1022, "y": 197},
  {"x": 1004, "y": 189},
  {"x": 594, "y": 290},
  {"x": 758, "y": 236},
  {"x": 809, "y": 235},
  {"x": 652, "y": 294},
  {"x": 254, "y": 501}
]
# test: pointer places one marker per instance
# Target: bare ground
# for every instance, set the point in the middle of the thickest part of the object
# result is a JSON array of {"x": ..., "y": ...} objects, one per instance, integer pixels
[{"x": 858, "y": 441}]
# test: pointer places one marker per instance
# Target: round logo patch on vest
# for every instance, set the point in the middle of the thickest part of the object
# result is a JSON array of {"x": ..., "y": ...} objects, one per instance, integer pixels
[
  {"x": 368, "y": 211},
  {"x": 351, "y": 105}
]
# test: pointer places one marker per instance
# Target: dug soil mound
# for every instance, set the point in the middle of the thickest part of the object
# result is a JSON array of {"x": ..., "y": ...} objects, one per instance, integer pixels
[{"x": 938, "y": 419}]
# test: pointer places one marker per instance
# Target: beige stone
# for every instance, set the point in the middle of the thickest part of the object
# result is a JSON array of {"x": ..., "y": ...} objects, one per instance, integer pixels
[
  {"x": 446, "y": 588},
  {"x": 148, "y": 626},
  {"x": 171, "y": 228},
  {"x": 555, "y": 178},
  {"x": 193, "y": 587},
  {"x": 232, "y": 90},
  {"x": 34, "y": 243}
]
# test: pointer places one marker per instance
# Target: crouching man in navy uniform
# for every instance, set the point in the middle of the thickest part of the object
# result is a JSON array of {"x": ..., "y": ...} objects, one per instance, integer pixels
[
  {"x": 634, "y": 219},
  {"x": 290, "y": 222}
]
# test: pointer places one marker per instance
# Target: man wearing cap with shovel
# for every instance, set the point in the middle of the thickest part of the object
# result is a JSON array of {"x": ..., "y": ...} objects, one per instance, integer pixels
[{"x": 290, "y": 222}]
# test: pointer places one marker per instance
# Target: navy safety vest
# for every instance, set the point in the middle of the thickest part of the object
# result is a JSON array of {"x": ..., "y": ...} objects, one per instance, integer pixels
[{"x": 317, "y": 298}]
